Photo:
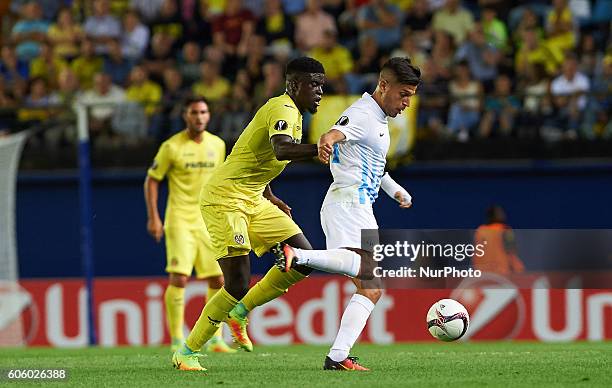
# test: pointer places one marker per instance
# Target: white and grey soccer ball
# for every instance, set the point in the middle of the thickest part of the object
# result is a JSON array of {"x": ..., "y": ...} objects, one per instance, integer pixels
[{"x": 447, "y": 320}]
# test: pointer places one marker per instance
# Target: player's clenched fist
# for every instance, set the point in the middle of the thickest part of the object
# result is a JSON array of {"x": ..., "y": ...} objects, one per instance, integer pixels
[{"x": 325, "y": 151}]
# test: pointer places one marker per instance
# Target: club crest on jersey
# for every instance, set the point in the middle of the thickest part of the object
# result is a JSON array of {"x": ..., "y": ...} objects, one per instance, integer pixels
[
  {"x": 280, "y": 125},
  {"x": 239, "y": 239},
  {"x": 343, "y": 120}
]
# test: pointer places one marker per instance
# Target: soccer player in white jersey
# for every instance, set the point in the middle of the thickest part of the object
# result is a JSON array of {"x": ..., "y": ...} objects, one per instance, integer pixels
[{"x": 356, "y": 149}]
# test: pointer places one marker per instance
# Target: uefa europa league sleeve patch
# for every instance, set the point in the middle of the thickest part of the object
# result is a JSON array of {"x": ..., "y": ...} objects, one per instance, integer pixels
[
  {"x": 343, "y": 120},
  {"x": 280, "y": 125}
]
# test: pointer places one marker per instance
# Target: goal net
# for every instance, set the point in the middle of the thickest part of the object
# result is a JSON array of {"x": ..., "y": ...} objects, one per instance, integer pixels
[{"x": 14, "y": 301}]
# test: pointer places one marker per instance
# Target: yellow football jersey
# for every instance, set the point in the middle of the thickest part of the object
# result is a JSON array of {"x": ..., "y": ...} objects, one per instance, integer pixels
[
  {"x": 188, "y": 166},
  {"x": 252, "y": 164}
]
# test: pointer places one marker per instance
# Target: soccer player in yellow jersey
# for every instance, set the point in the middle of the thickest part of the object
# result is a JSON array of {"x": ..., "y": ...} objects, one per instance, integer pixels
[
  {"x": 188, "y": 160},
  {"x": 242, "y": 214}
]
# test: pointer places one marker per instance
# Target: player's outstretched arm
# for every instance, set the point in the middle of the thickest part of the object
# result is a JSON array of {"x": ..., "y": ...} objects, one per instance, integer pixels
[
  {"x": 155, "y": 226},
  {"x": 285, "y": 149},
  {"x": 326, "y": 143},
  {"x": 395, "y": 191}
]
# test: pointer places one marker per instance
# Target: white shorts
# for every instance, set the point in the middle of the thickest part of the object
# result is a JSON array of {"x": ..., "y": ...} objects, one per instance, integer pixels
[{"x": 342, "y": 223}]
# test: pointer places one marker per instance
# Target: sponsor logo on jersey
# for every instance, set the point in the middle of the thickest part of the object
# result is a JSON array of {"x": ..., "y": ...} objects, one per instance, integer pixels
[
  {"x": 280, "y": 125},
  {"x": 343, "y": 120},
  {"x": 239, "y": 239},
  {"x": 199, "y": 164}
]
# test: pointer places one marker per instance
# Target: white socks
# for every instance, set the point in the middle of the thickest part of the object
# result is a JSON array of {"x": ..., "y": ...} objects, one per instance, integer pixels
[
  {"x": 352, "y": 323},
  {"x": 342, "y": 261}
]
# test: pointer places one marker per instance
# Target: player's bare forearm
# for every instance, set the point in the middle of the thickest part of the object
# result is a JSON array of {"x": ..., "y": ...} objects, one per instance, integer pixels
[
  {"x": 326, "y": 143},
  {"x": 154, "y": 223},
  {"x": 285, "y": 149},
  {"x": 276, "y": 201}
]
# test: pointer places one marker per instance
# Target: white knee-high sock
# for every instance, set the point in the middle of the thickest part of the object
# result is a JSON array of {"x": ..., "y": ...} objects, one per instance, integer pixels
[
  {"x": 342, "y": 261},
  {"x": 352, "y": 323}
]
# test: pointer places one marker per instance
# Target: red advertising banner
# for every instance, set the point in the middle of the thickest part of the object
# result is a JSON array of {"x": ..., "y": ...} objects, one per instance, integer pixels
[{"x": 131, "y": 312}]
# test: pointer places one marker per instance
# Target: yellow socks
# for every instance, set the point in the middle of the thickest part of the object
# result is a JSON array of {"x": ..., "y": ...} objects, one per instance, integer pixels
[
  {"x": 215, "y": 311},
  {"x": 175, "y": 311},
  {"x": 270, "y": 287},
  {"x": 209, "y": 295}
]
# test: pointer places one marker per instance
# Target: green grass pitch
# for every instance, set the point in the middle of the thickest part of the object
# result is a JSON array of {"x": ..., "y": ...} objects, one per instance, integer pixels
[{"x": 487, "y": 364}]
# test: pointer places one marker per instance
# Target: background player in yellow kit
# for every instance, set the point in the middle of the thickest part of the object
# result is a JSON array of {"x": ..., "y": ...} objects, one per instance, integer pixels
[
  {"x": 188, "y": 159},
  {"x": 242, "y": 214}
]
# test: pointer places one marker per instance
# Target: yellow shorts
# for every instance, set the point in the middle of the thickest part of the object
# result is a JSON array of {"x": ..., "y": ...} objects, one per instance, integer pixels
[
  {"x": 186, "y": 249},
  {"x": 237, "y": 227}
]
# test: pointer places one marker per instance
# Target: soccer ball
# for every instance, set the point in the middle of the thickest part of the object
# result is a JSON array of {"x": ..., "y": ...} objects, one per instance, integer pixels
[{"x": 447, "y": 320}]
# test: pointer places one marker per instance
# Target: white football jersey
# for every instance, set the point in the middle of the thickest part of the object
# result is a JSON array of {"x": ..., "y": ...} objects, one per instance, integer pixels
[{"x": 358, "y": 163}]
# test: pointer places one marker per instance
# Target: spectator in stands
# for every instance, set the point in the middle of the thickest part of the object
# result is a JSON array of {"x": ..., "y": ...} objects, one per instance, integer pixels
[
  {"x": 443, "y": 53},
  {"x": 255, "y": 59},
  {"x": 466, "y": 96},
  {"x": 67, "y": 87},
  {"x": 189, "y": 63},
  {"x": 169, "y": 23},
  {"x": 534, "y": 51},
  {"x": 49, "y": 8},
  {"x": 569, "y": 97},
  {"x": 159, "y": 56},
  {"x": 212, "y": 86},
  {"x": 560, "y": 26},
  {"x": 382, "y": 21},
  {"x": 104, "y": 98},
  {"x": 273, "y": 83},
  {"x": 237, "y": 114},
  {"x": 12, "y": 69},
  {"x": 590, "y": 58},
  {"x": 366, "y": 67},
  {"x": 410, "y": 49},
  {"x": 496, "y": 33},
  {"x": 536, "y": 101},
  {"x": 528, "y": 21},
  {"x": 233, "y": 28},
  {"x": 87, "y": 64},
  {"x": 135, "y": 37},
  {"x": 46, "y": 65},
  {"x": 116, "y": 65},
  {"x": 144, "y": 91},
  {"x": 38, "y": 102},
  {"x": 500, "y": 110},
  {"x": 310, "y": 26},
  {"x": 149, "y": 9},
  {"x": 482, "y": 57},
  {"x": 65, "y": 35},
  {"x": 336, "y": 60},
  {"x": 175, "y": 92},
  {"x": 418, "y": 22},
  {"x": 197, "y": 22},
  {"x": 454, "y": 19},
  {"x": 29, "y": 32},
  {"x": 433, "y": 102},
  {"x": 275, "y": 25},
  {"x": 102, "y": 27}
]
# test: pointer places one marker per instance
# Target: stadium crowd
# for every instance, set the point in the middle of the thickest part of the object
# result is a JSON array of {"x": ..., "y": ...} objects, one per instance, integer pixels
[{"x": 491, "y": 68}]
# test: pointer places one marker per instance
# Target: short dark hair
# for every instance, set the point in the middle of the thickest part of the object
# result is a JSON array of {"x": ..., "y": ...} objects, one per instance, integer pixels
[
  {"x": 303, "y": 65},
  {"x": 403, "y": 70},
  {"x": 192, "y": 100}
]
